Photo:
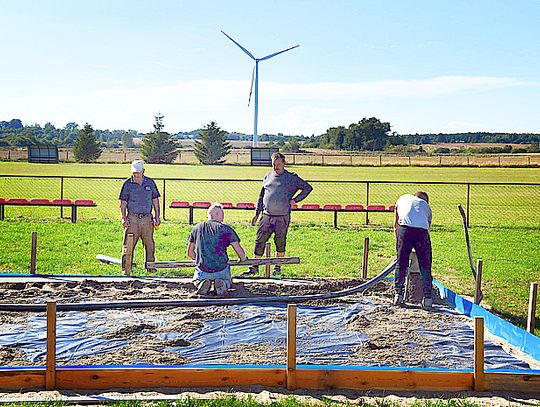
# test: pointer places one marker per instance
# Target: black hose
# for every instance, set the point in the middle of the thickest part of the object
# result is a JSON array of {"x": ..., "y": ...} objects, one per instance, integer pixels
[{"x": 94, "y": 306}]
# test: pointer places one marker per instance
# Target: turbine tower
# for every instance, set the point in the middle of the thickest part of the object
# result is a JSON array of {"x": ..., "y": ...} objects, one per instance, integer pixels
[{"x": 255, "y": 80}]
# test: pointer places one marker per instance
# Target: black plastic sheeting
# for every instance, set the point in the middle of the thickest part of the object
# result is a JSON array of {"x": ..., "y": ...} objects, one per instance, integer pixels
[{"x": 323, "y": 337}]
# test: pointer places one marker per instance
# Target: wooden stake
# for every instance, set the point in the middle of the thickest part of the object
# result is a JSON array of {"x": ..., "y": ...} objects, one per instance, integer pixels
[
  {"x": 129, "y": 253},
  {"x": 365, "y": 258},
  {"x": 291, "y": 346},
  {"x": 531, "y": 319},
  {"x": 50, "y": 374},
  {"x": 33, "y": 253},
  {"x": 478, "y": 291},
  {"x": 478, "y": 354},
  {"x": 267, "y": 267}
]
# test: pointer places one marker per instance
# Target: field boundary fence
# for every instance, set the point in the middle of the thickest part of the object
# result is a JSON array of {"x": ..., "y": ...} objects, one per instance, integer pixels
[
  {"x": 486, "y": 204},
  {"x": 242, "y": 157}
]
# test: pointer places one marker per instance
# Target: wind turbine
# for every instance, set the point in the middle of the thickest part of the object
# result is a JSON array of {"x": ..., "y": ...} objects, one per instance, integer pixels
[{"x": 255, "y": 79}]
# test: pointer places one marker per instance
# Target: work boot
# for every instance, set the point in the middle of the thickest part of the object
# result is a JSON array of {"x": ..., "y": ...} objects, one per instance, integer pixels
[
  {"x": 221, "y": 287},
  {"x": 398, "y": 300},
  {"x": 277, "y": 270},
  {"x": 203, "y": 287},
  {"x": 427, "y": 304},
  {"x": 252, "y": 271}
]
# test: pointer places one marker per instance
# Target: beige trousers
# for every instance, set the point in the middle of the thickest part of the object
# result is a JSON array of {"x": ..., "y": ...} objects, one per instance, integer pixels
[{"x": 142, "y": 228}]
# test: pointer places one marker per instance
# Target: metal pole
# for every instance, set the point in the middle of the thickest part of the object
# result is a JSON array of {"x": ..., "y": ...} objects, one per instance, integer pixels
[
  {"x": 61, "y": 197},
  {"x": 468, "y": 204},
  {"x": 164, "y": 199},
  {"x": 256, "y": 110},
  {"x": 367, "y": 203}
]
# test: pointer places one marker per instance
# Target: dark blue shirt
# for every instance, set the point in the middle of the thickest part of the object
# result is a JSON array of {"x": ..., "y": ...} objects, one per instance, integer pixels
[
  {"x": 139, "y": 197},
  {"x": 211, "y": 239}
]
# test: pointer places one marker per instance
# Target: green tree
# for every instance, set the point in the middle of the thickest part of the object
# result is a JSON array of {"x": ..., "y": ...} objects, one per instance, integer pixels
[
  {"x": 212, "y": 145},
  {"x": 86, "y": 148},
  {"x": 127, "y": 140},
  {"x": 292, "y": 146},
  {"x": 158, "y": 147}
]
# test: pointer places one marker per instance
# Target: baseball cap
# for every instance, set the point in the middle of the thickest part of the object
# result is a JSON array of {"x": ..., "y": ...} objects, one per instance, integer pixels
[{"x": 137, "y": 166}]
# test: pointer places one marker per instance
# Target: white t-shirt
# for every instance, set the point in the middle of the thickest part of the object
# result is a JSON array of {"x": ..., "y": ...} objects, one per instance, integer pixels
[{"x": 413, "y": 211}]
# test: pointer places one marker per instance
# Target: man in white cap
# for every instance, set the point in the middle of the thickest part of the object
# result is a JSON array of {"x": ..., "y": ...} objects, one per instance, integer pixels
[
  {"x": 207, "y": 245},
  {"x": 138, "y": 196}
]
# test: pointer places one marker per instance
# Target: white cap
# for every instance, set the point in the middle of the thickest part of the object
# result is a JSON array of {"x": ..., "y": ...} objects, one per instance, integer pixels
[{"x": 137, "y": 166}]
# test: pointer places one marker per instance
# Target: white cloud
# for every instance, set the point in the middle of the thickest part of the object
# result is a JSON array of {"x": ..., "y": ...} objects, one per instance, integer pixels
[{"x": 284, "y": 107}]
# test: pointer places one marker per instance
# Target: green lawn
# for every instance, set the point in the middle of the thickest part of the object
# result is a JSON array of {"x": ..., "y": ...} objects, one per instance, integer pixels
[
  {"x": 421, "y": 174},
  {"x": 505, "y": 232}
]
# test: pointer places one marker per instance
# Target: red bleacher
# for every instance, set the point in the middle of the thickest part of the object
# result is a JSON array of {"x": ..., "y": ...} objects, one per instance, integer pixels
[{"x": 46, "y": 202}]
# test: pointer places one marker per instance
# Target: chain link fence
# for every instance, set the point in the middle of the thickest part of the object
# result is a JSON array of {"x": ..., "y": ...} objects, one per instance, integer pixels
[
  {"x": 508, "y": 204},
  {"x": 243, "y": 157}
]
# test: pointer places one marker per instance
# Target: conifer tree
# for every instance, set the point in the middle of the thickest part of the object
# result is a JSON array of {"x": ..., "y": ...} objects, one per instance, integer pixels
[
  {"x": 86, "y": 148},
  {"x": 158, "y": 147},
  {"x": 212, "y": 145}
]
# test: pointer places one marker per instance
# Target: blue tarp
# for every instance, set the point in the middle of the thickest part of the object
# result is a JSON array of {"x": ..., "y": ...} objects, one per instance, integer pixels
[
  {"x": 323, "y": 337},
  {"x": 525, "y": 341}
]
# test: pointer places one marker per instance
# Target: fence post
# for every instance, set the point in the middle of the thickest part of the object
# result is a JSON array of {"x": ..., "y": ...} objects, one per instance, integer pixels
[
  {"x": 365, "y": 257},
  {"x": 267, "y": 267},
  {"x": 50, "y": 373},
  {"x": 531, "y": 318},
  {"x": 291, "y": 346},
  {"x": 478, "y": 354},
  {"x": 33, "y": 253},
  {"x": 380, "y": 160},
  {"x": 468, "y": 204},
  {"x": 164, "y": 201},
  {"x": 9, "y": 155},
  {"x": 367, "y": 203}
]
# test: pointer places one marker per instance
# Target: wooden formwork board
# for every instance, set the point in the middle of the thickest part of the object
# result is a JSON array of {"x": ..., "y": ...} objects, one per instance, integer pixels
[
  {"x": 368, "y": 379},
  {"x": 518, "y": 382},
  {"x": 94, "y": 378}
]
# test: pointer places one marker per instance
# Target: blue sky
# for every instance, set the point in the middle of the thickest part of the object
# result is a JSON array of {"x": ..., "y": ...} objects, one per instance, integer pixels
[{"x": 424, "y": 66}]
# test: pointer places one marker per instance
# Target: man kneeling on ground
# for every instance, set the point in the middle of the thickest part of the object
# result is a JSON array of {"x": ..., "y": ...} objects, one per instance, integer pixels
[{"x": 208, "y": 242}]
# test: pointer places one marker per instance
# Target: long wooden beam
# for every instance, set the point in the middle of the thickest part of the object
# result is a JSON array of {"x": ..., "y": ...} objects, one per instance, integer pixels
[
  {"x": 247, "y": 262},
  {"x": 354, "y": 378}
]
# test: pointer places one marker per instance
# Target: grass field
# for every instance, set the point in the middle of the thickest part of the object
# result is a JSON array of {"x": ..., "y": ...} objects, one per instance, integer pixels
[{"x": 508, "y": 244}]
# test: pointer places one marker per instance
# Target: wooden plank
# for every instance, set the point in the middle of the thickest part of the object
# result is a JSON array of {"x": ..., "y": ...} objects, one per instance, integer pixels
[
  {"x": 478, "y": 290},
  {"x": 50, "y": 374},
  {"x": 519, "y": 382},
  {"x": 22, "y": 379},
  {"x": 33, "y": 253},
  {"x": 365, "y": 258},
  {"x": 267, "y": 266},
  {"x": 479, "y": 354},
  {"x": 248, "y": 262},
  {"x": 384, "y": 380},
  {"x": 99, "y": 379},
  {"x": 531, "y": 316},
  {"x": 129, "y": 253},
  {"x": 291, "y": 346}
]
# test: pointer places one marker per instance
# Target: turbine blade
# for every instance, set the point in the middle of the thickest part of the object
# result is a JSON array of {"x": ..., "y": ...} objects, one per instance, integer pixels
[
  {"x": 277, "y": 53},
  {"x": 251, "y": 87},
  {"x": 241, "y": 47}
]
